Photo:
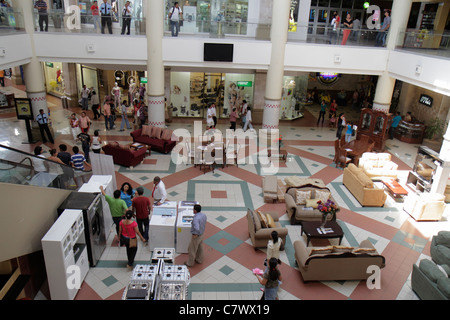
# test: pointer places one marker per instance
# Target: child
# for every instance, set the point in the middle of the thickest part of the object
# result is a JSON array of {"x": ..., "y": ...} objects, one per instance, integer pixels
[
  {"x": 348, "y": 133},
  {"x": 233, "y": 117},
  {"x": 74, "y": 126},
  {"x": 332, "y": 119}
]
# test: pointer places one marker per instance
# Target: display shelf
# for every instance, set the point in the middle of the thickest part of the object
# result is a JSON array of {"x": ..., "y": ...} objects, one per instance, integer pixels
[
  {"x": 375, "y": 125},
  {"x": 410, "y": 132}
]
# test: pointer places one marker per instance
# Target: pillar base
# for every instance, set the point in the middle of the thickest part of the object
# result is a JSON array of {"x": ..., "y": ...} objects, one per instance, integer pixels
[
  {"x": 156, "y": 111},
  {"x": 271, "y": 114},
  {"x": 383, "y": 107}
]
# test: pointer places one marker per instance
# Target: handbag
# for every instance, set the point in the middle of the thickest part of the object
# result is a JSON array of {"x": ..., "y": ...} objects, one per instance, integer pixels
[{"x": 132, "y": 242}]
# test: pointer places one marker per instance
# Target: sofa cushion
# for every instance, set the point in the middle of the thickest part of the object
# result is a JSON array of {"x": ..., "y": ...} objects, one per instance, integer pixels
[
  {"x": 384, "y": 156},
  {"x": 270, "y": 221},
  {"x": 263, "y": 219},
  {"x": 156, "y": 132},
  {"x": 322, "y": 195},
  {"x": 114, "y": 144},
  {"x": 365, "y": 250},
  {"x": 441, "y": 253},
  {"x": 146, "y": 131},
  {"x": 353, "y": 168},
  {"x": 431, "y": 270},
  {"x": 256, "y": 221},
  {"x": 364, "y": 180},
  {"x": 312, "y": 203},
  {"x": 444, "y": 268},
  {"x": 443, "y": 284},
  {"x": 166, "y": 134},
  {"x": 342, "y": 249},
  {"x": 443, "y": 238},
  {"x": 324, "y": 250},
  {"x": 301, "y": 196}
]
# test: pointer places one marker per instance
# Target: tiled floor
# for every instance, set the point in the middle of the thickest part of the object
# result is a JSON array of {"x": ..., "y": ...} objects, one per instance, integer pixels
[{"x": 225, "y": 196}]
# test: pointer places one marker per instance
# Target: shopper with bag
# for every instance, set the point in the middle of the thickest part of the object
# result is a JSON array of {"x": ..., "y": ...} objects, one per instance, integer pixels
[
  {"x": 128, "y": 229},
  {"x": 271, "y": 280}
]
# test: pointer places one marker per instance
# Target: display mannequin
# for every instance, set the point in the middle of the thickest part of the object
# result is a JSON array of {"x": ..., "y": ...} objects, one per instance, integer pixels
[
  {"x": 131, "y": 91},
  {"x": 117, "y": 94}
]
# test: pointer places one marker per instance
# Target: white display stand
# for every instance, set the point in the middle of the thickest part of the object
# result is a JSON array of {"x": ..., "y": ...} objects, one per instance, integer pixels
[
  {"x": 162, "y": 226},
  {"x": 65, "y": 255},
  {"x": 93, "y": 186}
]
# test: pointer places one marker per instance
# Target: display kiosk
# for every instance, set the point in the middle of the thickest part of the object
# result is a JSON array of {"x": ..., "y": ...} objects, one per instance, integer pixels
[
  {"x": 162, "y": 226},
  {"x": 183, "y": 227}
]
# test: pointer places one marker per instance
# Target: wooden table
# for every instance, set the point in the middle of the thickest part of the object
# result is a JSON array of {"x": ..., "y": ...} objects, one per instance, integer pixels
[
  {"x": 310, "y": 229},
  {"x": 137, "y": 146},
  {"x": 394, "y": 188},
  {"x": 355, "y": 149}
]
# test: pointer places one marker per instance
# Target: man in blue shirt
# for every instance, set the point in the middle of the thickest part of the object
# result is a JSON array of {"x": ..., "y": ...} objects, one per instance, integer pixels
[
  {"x": 105, "y": 11},
  {"x": 394, "y": 124},
  {"x": 195, "y": 249},
  {"x": 42, "y": 120}
]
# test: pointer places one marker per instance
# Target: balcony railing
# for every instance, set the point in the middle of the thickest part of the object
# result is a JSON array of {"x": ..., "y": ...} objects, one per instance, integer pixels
[
  {"x": 11, "y": 21},
  {"x": 425, "y": 42}
]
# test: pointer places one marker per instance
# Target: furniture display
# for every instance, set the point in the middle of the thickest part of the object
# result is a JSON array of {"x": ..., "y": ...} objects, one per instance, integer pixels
[
  {"x": 340, "y": 155},
  {"x": 378, "y": 165},
  {"x": 261, "y": 225},
  {"x": 430, "y": 278},
  {"x": 334, "y": 263},
  {"x": 421, "y": 177},
  {"x": 160, "y": 139},
  {"x": 410, "y": 132},
  {"x": 425, "y": 206},
  {"x": 374, "y": 124},
  {"x": 356, "y": 148},
  {"x": 362, "y": 187},
  {"x": 312, "y": 230},
  {"x": 124, "y": 155},
  {"x": 270, "y": 188},
  {"x": 301, "y": 201},
  {"x": 64, "y": 248},
  {"x": 394, "y": 188}
]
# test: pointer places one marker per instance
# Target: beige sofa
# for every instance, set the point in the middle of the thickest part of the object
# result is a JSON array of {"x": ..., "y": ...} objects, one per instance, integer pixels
[
  {"x": 378, "y": 165},
  {"x": 297, "y": 210},
  {"x": 362, "y": 187},
  {"x": 259, "y": 229},
  {"x": 336, "y": 262},
  {"x": 425, "y": 207}
]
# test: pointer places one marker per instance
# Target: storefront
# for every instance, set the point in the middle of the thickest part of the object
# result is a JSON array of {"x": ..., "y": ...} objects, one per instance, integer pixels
[
  {"x": 54, "y": 78},
  {"x": 293, "y": 97},
  {"x": 86, "y": 76}
]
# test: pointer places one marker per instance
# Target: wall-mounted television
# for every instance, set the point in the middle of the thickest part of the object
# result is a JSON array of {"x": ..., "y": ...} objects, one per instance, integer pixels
[
  {"x": 218, "y": 52},
  {"x": 426, "y": 100}
]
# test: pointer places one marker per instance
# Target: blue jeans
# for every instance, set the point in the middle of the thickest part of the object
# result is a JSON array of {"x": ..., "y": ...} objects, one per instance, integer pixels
[
  {"x": 174, "y": 27},
  {"x": 124, "y": 122},
  {"x": 96, "y": 22},
  {"x": 109, "y": 120}
]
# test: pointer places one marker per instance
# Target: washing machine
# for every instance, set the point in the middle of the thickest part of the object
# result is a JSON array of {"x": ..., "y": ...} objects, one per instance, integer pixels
[
  {"x": 183, "y": 229},
  {"x": 162, "y": 226}
]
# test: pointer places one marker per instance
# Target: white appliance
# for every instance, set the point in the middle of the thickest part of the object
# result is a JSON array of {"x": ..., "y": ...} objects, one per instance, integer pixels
[
  {"x": 162, "y": 226},
  {"x": 65, "y": 254},
  {"x": 93, "y": 186},
  {"x": 183, "y": 229}
]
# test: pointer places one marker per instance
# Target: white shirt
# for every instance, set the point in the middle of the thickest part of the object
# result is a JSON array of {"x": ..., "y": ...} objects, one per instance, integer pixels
[
  {"x": 209, "y": 115},
  {"x": 175, "y": 13},
  {"x": 248, "y": 116},
  {"x": 159, "y": 192}
]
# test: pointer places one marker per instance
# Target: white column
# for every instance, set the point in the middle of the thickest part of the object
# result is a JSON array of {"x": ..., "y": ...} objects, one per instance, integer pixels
[
  {"x": 279, "y": 31},
  {"x": 33, "y": 73},
  {"x": 383, "y": 93},
  {"x": 155, "y": 66}
]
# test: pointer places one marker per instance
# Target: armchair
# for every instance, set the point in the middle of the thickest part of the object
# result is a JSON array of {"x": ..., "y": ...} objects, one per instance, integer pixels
[
  {"x": 259, "y": 232},
  {"x": 425, "y": 207}
]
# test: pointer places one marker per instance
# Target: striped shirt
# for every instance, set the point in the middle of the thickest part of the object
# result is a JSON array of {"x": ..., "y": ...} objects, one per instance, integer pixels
[
  {"x": 78, "y": 161},
  {"x": 198, "y": 224},
  {"x": 41, "y": 6}
]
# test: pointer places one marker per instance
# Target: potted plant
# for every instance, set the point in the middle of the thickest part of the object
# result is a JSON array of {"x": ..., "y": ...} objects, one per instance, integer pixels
[
  {"x": 327, "y": 208},
  {"x": 435, "y": 129}
]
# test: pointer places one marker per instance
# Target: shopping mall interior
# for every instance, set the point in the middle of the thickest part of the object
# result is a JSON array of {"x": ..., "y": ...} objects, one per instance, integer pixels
[{"x": 388, "y": 177}]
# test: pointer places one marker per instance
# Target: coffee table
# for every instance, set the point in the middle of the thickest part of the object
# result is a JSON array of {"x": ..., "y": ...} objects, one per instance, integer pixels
[
  {"x": 310, "y": 228},
  {"x": 137, "y": 146},
  {"x": 394, "y": 188}
]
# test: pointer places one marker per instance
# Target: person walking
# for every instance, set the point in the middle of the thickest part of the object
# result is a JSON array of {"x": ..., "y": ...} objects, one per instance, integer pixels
[
  {"x": 233, "y": 118},
  {"x": 106, "y": 19},
  {"x": 96, "y": 142},
  {"x": 270, "y": 280},
  {"x": 85, "y": 139},
  {"x": 118, "y": 208},
  {"x": 41, "y": 6},
  {"x": 348, "y": 133},
  {"x": 380, "y": 39},
  {"x": 127, "y": 193},
  {"x": 128, "y": 229},
  {"x": 141, "y": 206},
  {"x": 74, "y": 126},
  {"x": 274, "y": 246},
  {"x": 85, "y": 98},
  {"x": 42, "y": 120},
  {"x": 323, "y": 110},
  {"x": 159, "y": 193},
  {"x": 175, "y": 15},
  {"x": 109, "y": 122},
  {"x": 340, "y": 125},
  {"x": 126, "y": 18},
  {"x": 123, "y": 111},
  {"x": 195, "y": 249},
  {"x": 248, "y": 120},
  {"x": 95, "y": 105}
]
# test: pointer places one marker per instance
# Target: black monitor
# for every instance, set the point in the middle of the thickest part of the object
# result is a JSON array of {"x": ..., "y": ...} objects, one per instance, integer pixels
[{"x": 218, "y": 52}]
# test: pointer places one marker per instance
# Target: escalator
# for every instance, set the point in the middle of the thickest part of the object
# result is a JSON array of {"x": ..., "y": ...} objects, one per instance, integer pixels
[{"x": 19, "y": 167}]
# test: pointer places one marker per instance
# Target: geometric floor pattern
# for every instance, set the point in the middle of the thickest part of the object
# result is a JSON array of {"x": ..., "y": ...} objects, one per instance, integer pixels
[{"x": 225, "y": 195}]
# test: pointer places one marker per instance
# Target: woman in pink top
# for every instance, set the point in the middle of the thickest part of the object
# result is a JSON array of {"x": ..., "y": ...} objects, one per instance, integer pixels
[
  {"x": 85, "y": 122},
  {"x": 107, "y": 113},
  {"x": 233, "y": 117},
  {"x": 128, "y": 229}
]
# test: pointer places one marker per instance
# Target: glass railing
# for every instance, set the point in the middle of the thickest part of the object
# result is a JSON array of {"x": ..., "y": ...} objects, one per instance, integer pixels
[
  {"x": 11, "y": 21},
  {"x": 426, "y": 42},
  {"x": 18, "y": 167}
]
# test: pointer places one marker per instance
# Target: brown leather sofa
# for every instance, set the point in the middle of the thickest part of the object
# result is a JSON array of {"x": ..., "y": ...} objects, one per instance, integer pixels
[
  {"x": 259, "y": 233},
  {"x": 160, "y": 139},
  {"x": 336, "y": 262},
  {"x": 124, "y": 155},
  {"x": 362, "y": 187}
]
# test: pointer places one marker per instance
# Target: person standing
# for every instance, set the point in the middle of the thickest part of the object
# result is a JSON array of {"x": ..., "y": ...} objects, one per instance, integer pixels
[
  {"x": 96, "y": 143},
  {"x": 38, "y": 164},
  {"x": 128, "y": 229},
  {"x": 118, "y": 208},
  {"x": 127, "y": 193},
  {"x": 175, "y": 15},
  {"x": 209, "y": 118},
  {"x": 195, "y": 249},
  {"x": 334, "y": 26},
  {"x": 84, "y": 98},
  {"x": 77, "y": 159},
  {"x": 95, "y": 16},
  {"x": 106, "y": 19},
  {"x": 95, "y": 105},
  {"x": 85, "y": 123},
  {"x": 159, "y": 193},
  {"x": 348, "y": 133},
  {"x": 270, "y": 280},
  {"x": 248, "y": 120},
  {"x": 41, "y": 6},
  {"x": 123, "y": 111},
  {"x": 395, "y": 121},
  {"x": 85, "y": 144},
  {"x": 244, "y": 112},
  {"x": 323, "y": 110},
  {"x": 74, "y": 126},
  {"x": 42, "y": 120},
  {"x": 63, "y": 154},
  {"x": 126, "y": 18},
  {"x": 381, "y": 36},
  {"x": 233, "y": 118},
  {"x": 214, "y": 114},
  {"x": 141, "y": 205},
  {"x": 348, "y": 25},
  {"x": 109, "y": 123},
  {"x": 340, "y": 125}
]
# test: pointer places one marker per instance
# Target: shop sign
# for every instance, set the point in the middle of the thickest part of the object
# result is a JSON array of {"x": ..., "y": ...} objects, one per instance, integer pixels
[
  {"x": 143, "y": 80},
  {"x": 244, "y": 83},
  {"x": 426, "y": 100},
  {"x": 49, "y": 64},
  {"x": 328, "y": 78}
]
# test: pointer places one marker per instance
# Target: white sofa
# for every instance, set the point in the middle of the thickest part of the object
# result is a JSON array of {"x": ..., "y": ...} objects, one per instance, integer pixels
[
  {"x": 378, "y": 165},
  {"x": 425, "y": 207}
]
